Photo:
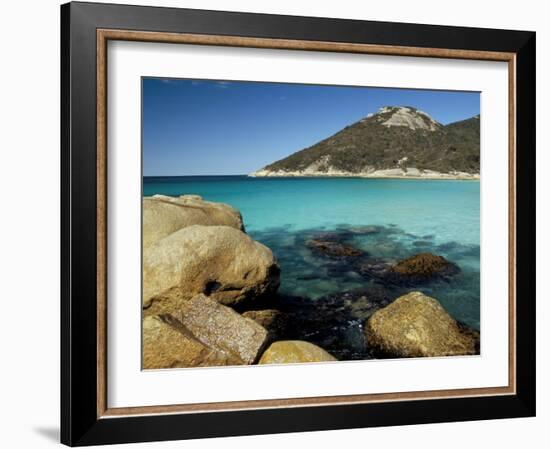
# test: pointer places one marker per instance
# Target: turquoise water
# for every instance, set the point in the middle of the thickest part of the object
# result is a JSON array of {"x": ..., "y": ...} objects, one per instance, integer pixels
[{"x": 412, "y": 216}]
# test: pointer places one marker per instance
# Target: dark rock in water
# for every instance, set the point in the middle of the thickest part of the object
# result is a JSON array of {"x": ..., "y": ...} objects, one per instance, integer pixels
[
  {"x": 307, "y": 277},
  {"x": 375, "y": 268},
  {"x": 274, "y": 321},
  {"x": 415, "y": 270},
  {"x": 335, "y": 322},
  {"x": 362, "y": 307},
  {"x": 455, "y": 249},
  {"x": 448, "y": 247},
  {"x": 421, "y": 243},
  {"x": 364, "y": 302},
  {"x": 424, "y": 266},
  {"x": 325, "y": 322},
  {"x": 369, "y": 229},
  {"x": 339, "y": 268},
  {"x": 333, "y": 249},
  {"x": 330, "y": 236}
]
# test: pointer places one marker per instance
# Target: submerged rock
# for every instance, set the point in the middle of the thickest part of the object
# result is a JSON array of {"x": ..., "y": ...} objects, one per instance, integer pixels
[
  {"x": 222, "y": 328},
  {"x": 424, "y": 266},
  {"x": 367, "y": 229},
  {"x": 274, "y": 321},
  {"x": 294, "y": 351},
  {"x": 222, "y": 262},
  {"x": 163, "y": 215},
  {"x": 333, "y": 249},
  {"x": 362, "y": 307},
  {"x": 416, "y": 325},
  {"x": 362, "y": 302},
  {"x": 334, "y": 322},
  {"x": 418, "y": 269},
  {"x": 330, "y": 236},
  {"x": 376, "y": 269},
  {"x": 167, "y": 344}
]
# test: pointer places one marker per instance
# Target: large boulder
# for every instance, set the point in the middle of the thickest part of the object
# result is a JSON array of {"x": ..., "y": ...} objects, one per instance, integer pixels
[
  {"x": 167, "y": 344},
  {"x": 423, "y": 267},
  {"x": 222, "y": 262},
  {"x": 163, "y": 215},
  {"x": 222, "y": 328},
  {"x": 294, "y": 351},
  {"x": 415, "y": 325}
]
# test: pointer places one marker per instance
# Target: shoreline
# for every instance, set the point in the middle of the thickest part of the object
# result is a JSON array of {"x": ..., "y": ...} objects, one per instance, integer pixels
[{"x": 428, "y": 176}]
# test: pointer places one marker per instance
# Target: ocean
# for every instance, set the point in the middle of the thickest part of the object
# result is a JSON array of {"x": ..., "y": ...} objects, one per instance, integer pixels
[{"x": 389, "y": 219}]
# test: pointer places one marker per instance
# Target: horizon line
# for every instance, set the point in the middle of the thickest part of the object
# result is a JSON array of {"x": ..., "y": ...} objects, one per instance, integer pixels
[{"x": 179, "y": 176}]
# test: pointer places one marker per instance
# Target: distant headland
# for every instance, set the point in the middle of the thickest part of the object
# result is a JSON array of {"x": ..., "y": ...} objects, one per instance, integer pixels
[{"x": 395, "y": 142}]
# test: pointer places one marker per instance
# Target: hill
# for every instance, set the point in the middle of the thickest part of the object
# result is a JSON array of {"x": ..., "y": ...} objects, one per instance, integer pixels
[{"x": 397, "y": 141}]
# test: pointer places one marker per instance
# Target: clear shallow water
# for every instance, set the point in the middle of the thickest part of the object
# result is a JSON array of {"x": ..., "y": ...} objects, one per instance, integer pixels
[{"x": 413, "y": 216}]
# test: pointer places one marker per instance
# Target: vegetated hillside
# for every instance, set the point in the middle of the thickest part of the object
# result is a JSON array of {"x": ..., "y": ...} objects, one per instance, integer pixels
[{"x": 395, "y": 137}]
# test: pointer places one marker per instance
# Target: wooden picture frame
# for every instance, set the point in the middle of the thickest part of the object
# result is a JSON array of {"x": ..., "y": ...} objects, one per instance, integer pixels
[{"x": 85, "y": 416}]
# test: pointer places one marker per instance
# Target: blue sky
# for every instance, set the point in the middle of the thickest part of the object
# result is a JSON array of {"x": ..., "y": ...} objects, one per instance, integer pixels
[{"x": 199, "y": 127}]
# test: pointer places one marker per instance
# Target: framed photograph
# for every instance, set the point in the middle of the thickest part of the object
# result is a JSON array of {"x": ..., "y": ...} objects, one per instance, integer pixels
[{"x": 280, "y": 224}]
